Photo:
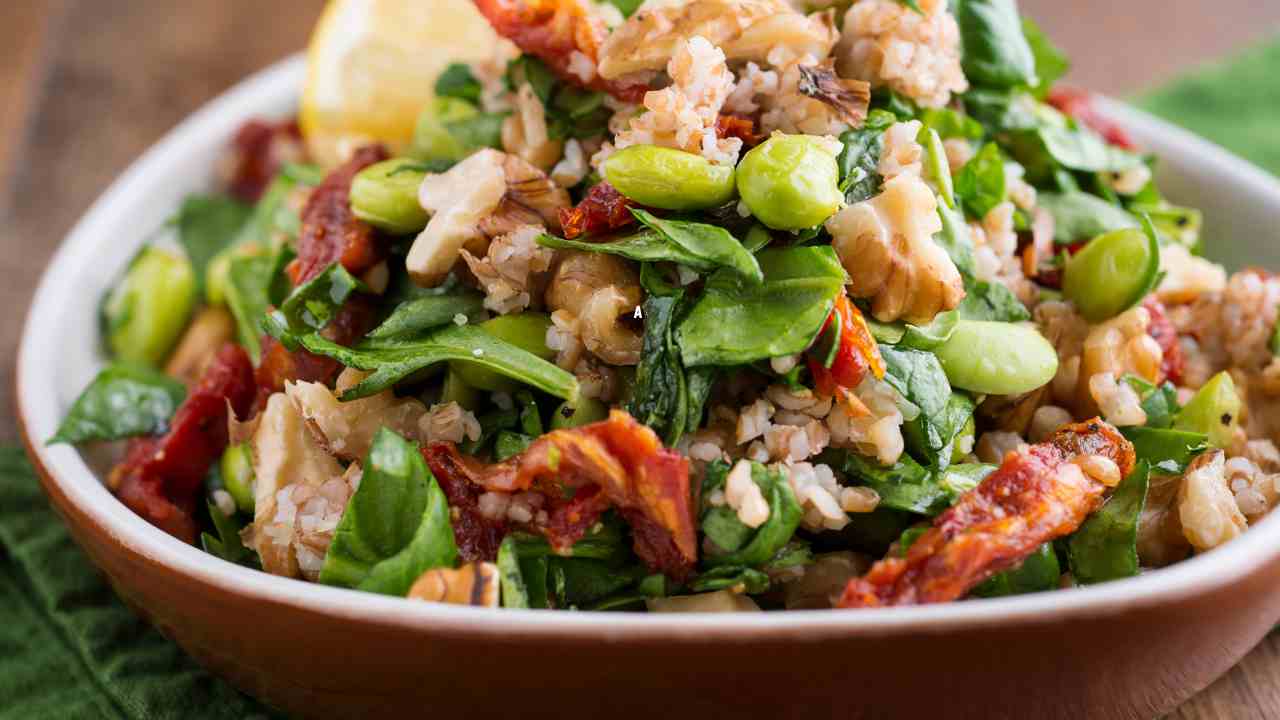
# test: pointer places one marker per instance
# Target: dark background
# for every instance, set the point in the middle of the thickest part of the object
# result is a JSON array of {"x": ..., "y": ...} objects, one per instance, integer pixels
[{"x": 87, "y": 85}]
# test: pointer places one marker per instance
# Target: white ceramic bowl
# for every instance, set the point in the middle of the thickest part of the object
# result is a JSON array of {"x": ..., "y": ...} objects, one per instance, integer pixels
[{"x": 1125, "y": 649}]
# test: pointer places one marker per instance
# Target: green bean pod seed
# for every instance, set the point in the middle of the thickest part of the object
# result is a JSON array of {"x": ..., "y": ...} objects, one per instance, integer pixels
[
  {"x": 237, "y": 475},
  {"x": 584, "y": 412},
  {"x": 431, "y": 137},
  {"x": 385, "y": 195},
  {"x": 148, "y": 310},
  {"x": 996, "y": 358},
  {"x": 1214, "y": 410},
  {"x": 527, "y": 331},
  {"x": 1112, "y": 273},
  {"x": 790, "y": 182},
  {"x": 669, "y": 179}
]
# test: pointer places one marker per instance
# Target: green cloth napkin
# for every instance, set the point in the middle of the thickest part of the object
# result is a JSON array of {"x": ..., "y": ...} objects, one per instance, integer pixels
[{"x": 70, "y": 649}]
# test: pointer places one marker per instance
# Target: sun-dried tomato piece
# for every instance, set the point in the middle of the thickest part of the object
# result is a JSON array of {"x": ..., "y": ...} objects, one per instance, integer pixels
[
  {"x": 1174, "y": 363},
  {"x": 330, "y": 230},
  {"x": 603, "y": 210},
  {"x": 160, "y": 477},
  {"x": 477, "y": 535},
  {"x": 1078, "y": 104},
  {"x": 1031, "y": 499},
  {"x": 279, "y": 365},
  {"x": 258, "y": 151},
  {"x": 552, "y": 31},
  {"x": 743, "y": 128},
  {"x": 856, "y": 355},
  {"x": 582, "y": 472}
]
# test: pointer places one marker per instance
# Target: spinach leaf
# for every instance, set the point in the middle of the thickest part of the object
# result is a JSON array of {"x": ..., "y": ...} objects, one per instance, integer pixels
[
  {"x": 314, "y": 303},
  {"x": 736, "y": 322},
  {"x": 917, "y": 376},
  {"x": 426, "y": 313},
  {"x": 626, "y": 7},
  {"x": 1051, "y": 63},
  {"x": 931, "y": 438},
  {"x": 644, "y": 246},
  {"x": 996, "y": 52},
  {"x": 571, "y": 111},
  {"x": 1038, "y": 573},
  {"x": 394, "y": 359},
  {"x": 950, "y": 124},
  {"x": 457, "y": 81},
  {"x": 928, "y": 337},
  {"x": 713, "y": 244},
  {"x": 227, "y": 543},
  {"x": 860, "y": 160},
  {"x": 1159, "y": 403},
  {"x": 577, "y": 582},
  {"x": 960, "y": 479},
  {"x": 750, "y": 581},
  {"x": 666, "y": 396},
  {"x": 905, "y": 485},
  {"x": 754, "y": 548},
  {"x": 1081, "y": 216},
  {"x": 254, "y": 284},
  {"x": 1104, "y": 548},
  {"x": 515, "y": 593},
  {"x": 956, "y": 239},
  {"x": 206, "y": 225},
  {"x": 1167, "y": 451},
  {"x": 992, "y": 301},
  {"x": 606, "y": 541},
  {"x": 396, "y": 526},
  {"x": 1084, "y": 150},
  {"x": 980, "y": 185},
  {"x": 124, "y": 400}
]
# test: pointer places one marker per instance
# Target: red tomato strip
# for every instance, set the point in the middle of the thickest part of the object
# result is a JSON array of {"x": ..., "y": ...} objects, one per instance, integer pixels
[
  {"x": 160, "y": 477},
  {"x": 1027, "y": 502},
  {"x": 603, "y": 210},
  {"x": 581, "y": 473},
  {"x": 857, "y": 355},
  {"x": 258, "y": 151},
  {"x": 330, "y": 230}
]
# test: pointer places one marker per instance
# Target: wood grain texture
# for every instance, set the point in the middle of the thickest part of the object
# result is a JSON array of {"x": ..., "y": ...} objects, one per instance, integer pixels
[{"x": 87, "y": 85}]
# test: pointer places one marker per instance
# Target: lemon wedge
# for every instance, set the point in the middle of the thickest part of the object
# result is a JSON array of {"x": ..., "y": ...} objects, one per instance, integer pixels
[{"x": 372, "y": 67}]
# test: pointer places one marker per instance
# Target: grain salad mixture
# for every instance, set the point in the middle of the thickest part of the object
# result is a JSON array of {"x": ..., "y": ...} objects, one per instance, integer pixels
[{"x": 721, "y": 305}]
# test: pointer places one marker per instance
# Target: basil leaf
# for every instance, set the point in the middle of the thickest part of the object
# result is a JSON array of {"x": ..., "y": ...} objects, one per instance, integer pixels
[
  {"x": 124, "y": 400},
  {"x": 737, "y": 322},
  {"x": 394, "y": 359},
  {"x": 1051, "y": 63},
  {"x": 206, "y": 225},
  {"x": 1105, "y": 546},
  {"x": 713, "y": 244},
  {"x": 980, "y": 184},
  {"x": 1167, "y": 451},
  {"x": 859, "y": 161},
  {"x": 766, "y": 540},
  {"x": 254, "y": 284},
  {"x": 1080, "y": 216},
  {"x": 666, "y": 396},
  {"x": 992, "y": 301},
  {"x": 1039, "y": 572},
  {"x": 457, "y": 81},
  {"x": 996, "y": 52},
  {"x": 426, "y": 313},
  {"x": 396, "y": 525}
]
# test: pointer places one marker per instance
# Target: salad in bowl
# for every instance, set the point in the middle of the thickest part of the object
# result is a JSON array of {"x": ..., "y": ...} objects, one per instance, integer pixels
[{"x": 722, "y": 305}]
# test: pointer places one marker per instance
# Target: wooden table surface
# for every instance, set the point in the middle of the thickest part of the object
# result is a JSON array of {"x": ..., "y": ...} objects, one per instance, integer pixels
[{"x": 87, "y": 85}]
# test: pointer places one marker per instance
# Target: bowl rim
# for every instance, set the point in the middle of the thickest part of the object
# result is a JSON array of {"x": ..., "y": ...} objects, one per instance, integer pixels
[{"x": 65, "y": 472}]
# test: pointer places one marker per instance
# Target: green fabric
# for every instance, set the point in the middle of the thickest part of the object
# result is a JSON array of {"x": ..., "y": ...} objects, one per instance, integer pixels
[
  {"x": 1234, "y": 102},
  {"x": 70, "y": 649}
]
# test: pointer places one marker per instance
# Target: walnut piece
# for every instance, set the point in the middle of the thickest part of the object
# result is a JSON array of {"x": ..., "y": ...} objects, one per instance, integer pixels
[{"x": 472, "y": 584}]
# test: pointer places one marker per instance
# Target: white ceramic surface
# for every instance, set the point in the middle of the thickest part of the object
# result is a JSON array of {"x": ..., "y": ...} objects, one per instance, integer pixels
[{"x": 59, "y": 355}]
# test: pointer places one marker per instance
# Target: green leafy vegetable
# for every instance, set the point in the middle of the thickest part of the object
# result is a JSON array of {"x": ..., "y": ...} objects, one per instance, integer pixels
[
  {"x": 124, "y": 400},
  {"x": 457, "y": 81},
  {"x": 515, "y": 594},
  {"x": 206, "y": 225},
  {"x": 396, "y": 526},
  {"x": 626, "y": 7},
  {"x": 992, "y": 301},
  {"x": 1166, "y": 450},
  {"x": 394, "y": 359},
  {"x": 906, "y": 485},
  {"x": 950, "y": 124},
  {"x": 749, "y": 580},
  {"x": 749, "y": 548},
  {"x": 713, "y": 244},
  {"x": 426, "y": 313},
  {"x": 931, "y": 438},
  {"x": 1080, "y": 216},
  {"x": 255, "y": 283},
  {"x": 860, "y": 160},
  {"x": 667, "y": 396},
  {"x": 1051, "y": 63},
  {"x": 996, "y": 52},
  {"x": 1085, "y": 150},
  {"x": 980, "y": 185},
  {"x": 226, "y": 544},
  {"x": 1105, "y": 546},
  {"x": 1038, "y": 573},
  {"x": 1159, "y": 403},
  {"x": 955, "y": 238},
  {"x": 737, "y": 322},
  {"x": 314, "y": 303},
  {"x": 579, "y": 582},
  {"x": 918, "y": 377}
]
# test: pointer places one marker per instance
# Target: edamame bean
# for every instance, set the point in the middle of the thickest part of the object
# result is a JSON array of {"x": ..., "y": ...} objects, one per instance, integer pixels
[
  {"x": 584, "y": 412},
  {"x": 385, "y": 195},
  {"x": 669, "y": 179},
  {"x": 1112, "y": 273},
  {"x": 790, "y": 182},
  {"x": 996, "y": 358},
  {"x": 148, "y": 310},
  {"x": 1214, "y": 410},
  {"x": 237, "y": 475},
  {"x": 527, "y": 331}
]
